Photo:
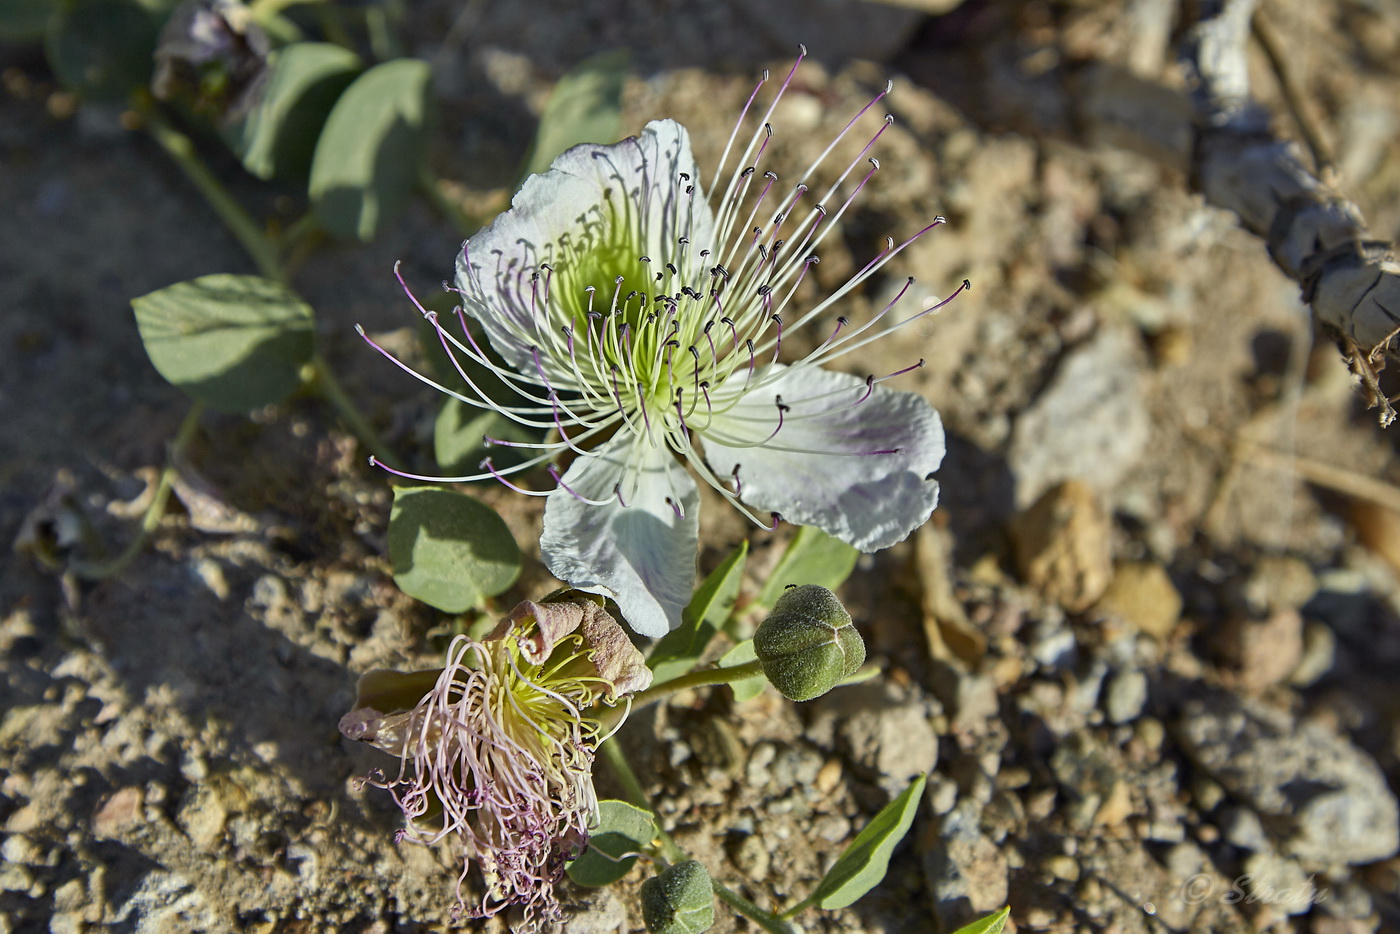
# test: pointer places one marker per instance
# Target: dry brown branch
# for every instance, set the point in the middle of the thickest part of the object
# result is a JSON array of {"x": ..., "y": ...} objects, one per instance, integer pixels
[{"x": 1314, "y": 234}]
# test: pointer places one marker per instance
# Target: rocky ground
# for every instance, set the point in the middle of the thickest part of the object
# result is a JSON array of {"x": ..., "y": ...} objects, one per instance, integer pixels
[{"x": 1146, "y": 649}]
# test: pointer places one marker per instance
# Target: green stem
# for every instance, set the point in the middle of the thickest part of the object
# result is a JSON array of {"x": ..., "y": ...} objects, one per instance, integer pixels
[
  {"x": 297, "y": 230},
  {"x": 324, "y": 382},
  {"x": 181, "y": 148},
  {"x": 632, "y": 787},
  {"x": 770, "y": 923},
  {"x": 704, "y": 677},
  {"x": 149, "y": 521},
  {"x": 432, "y": 188},
  {"x": 800, "y": 907}
]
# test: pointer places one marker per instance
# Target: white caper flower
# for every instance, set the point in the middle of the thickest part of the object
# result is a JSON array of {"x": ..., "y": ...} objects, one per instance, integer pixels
[{"x": 644, "y": 321}]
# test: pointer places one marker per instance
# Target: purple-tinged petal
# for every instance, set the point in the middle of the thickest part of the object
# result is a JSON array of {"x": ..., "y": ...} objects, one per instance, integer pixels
[{"x": 851, "y": 459}]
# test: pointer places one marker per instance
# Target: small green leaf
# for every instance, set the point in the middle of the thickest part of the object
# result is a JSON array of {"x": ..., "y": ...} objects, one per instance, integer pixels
[
  {"x": 992, "y": 924},
  {"x": 370, "y": 154},
  {"x": 458, "y": 434},
  {"x": 814, "y": 557},
  {"x": 680, "y": 900},
  {"x": 710, "y": 605},
  {"x": 867, "y": 859},
  {"x": 742, "y": 654},
  {"x": 25, "y": 20},
  {"x": 278, "y": 136},
  {"x": 622, "y": 828},
  {"x": 448, "y": 549},
  {"x": 102, "y": 49},
  {"x": 585, "y": 107},
  {"x": 233, "y": 342}
]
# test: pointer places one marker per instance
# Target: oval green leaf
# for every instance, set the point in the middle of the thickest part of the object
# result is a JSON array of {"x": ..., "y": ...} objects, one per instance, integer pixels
[
  {"x": 370, "y": 154},
  {"x": 679, "y": 900},
  {"x": 867, "y": 859},
  {"x": 709, "y": 607},
  {"x": 460, "y": 429},
  {"x": 102, "y": 49},
  {"x": 585, "y": 107},
  {"x": 622, "y": 828},
  {"x": 813, "y": 557},
  {"x": 277, "y": 137},
  {"x": 992, "y": 924},
  {"x": 235, "y": 343},
  {"x": 448, "y": 549},
  {"x": 741, "y": 654}
]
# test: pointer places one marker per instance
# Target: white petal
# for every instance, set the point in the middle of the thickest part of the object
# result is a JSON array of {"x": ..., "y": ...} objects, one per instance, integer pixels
[
  {"x": 618, "y": 202},
  {"x": 642, "y": 554},
  {"x": 821, "y": 470}
]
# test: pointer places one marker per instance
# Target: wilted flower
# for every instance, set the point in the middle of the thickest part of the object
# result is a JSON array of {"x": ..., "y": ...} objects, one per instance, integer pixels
[
  {"x": 497, "y": 747},
  {"x": 212, "y": 54},
  {"x": 644, "y": 323}
]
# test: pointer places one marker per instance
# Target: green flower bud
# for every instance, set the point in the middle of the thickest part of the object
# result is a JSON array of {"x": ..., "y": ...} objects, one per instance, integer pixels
[
  {"x": 808, "y": 645},
  {"x": 680, "y": 900}
]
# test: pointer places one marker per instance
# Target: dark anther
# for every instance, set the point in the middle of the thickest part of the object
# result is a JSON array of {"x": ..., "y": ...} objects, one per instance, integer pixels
[
  {"x": 672, "y": 267},
  {"x": 789, "y": 586},
  {"x": 683, "y": 241},
  {"x": 768, "y": 128},
  {"x": 813, "y": 259},
  {"x": 764, "y": 289},
  {"x": 889, "y": 118},
  {"x": 875, "y": 162},
  {"x": 747, "y": 172},
  {"x": 771, "y": 175},
  {"x": 643, "y": 259},
  {"x": 843, "y": 320},
  {"x": 685, "y": 176},
  {"x": 619, "y": 280}
]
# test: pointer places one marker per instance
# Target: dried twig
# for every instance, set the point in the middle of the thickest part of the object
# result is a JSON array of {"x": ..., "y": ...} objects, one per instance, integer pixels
[{"x": 1316, "y": 236}]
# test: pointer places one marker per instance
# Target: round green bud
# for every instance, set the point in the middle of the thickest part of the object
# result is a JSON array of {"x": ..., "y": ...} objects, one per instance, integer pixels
[
  {"x": 680, "y": 900},
  {"x": 808, "y": 645}
]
